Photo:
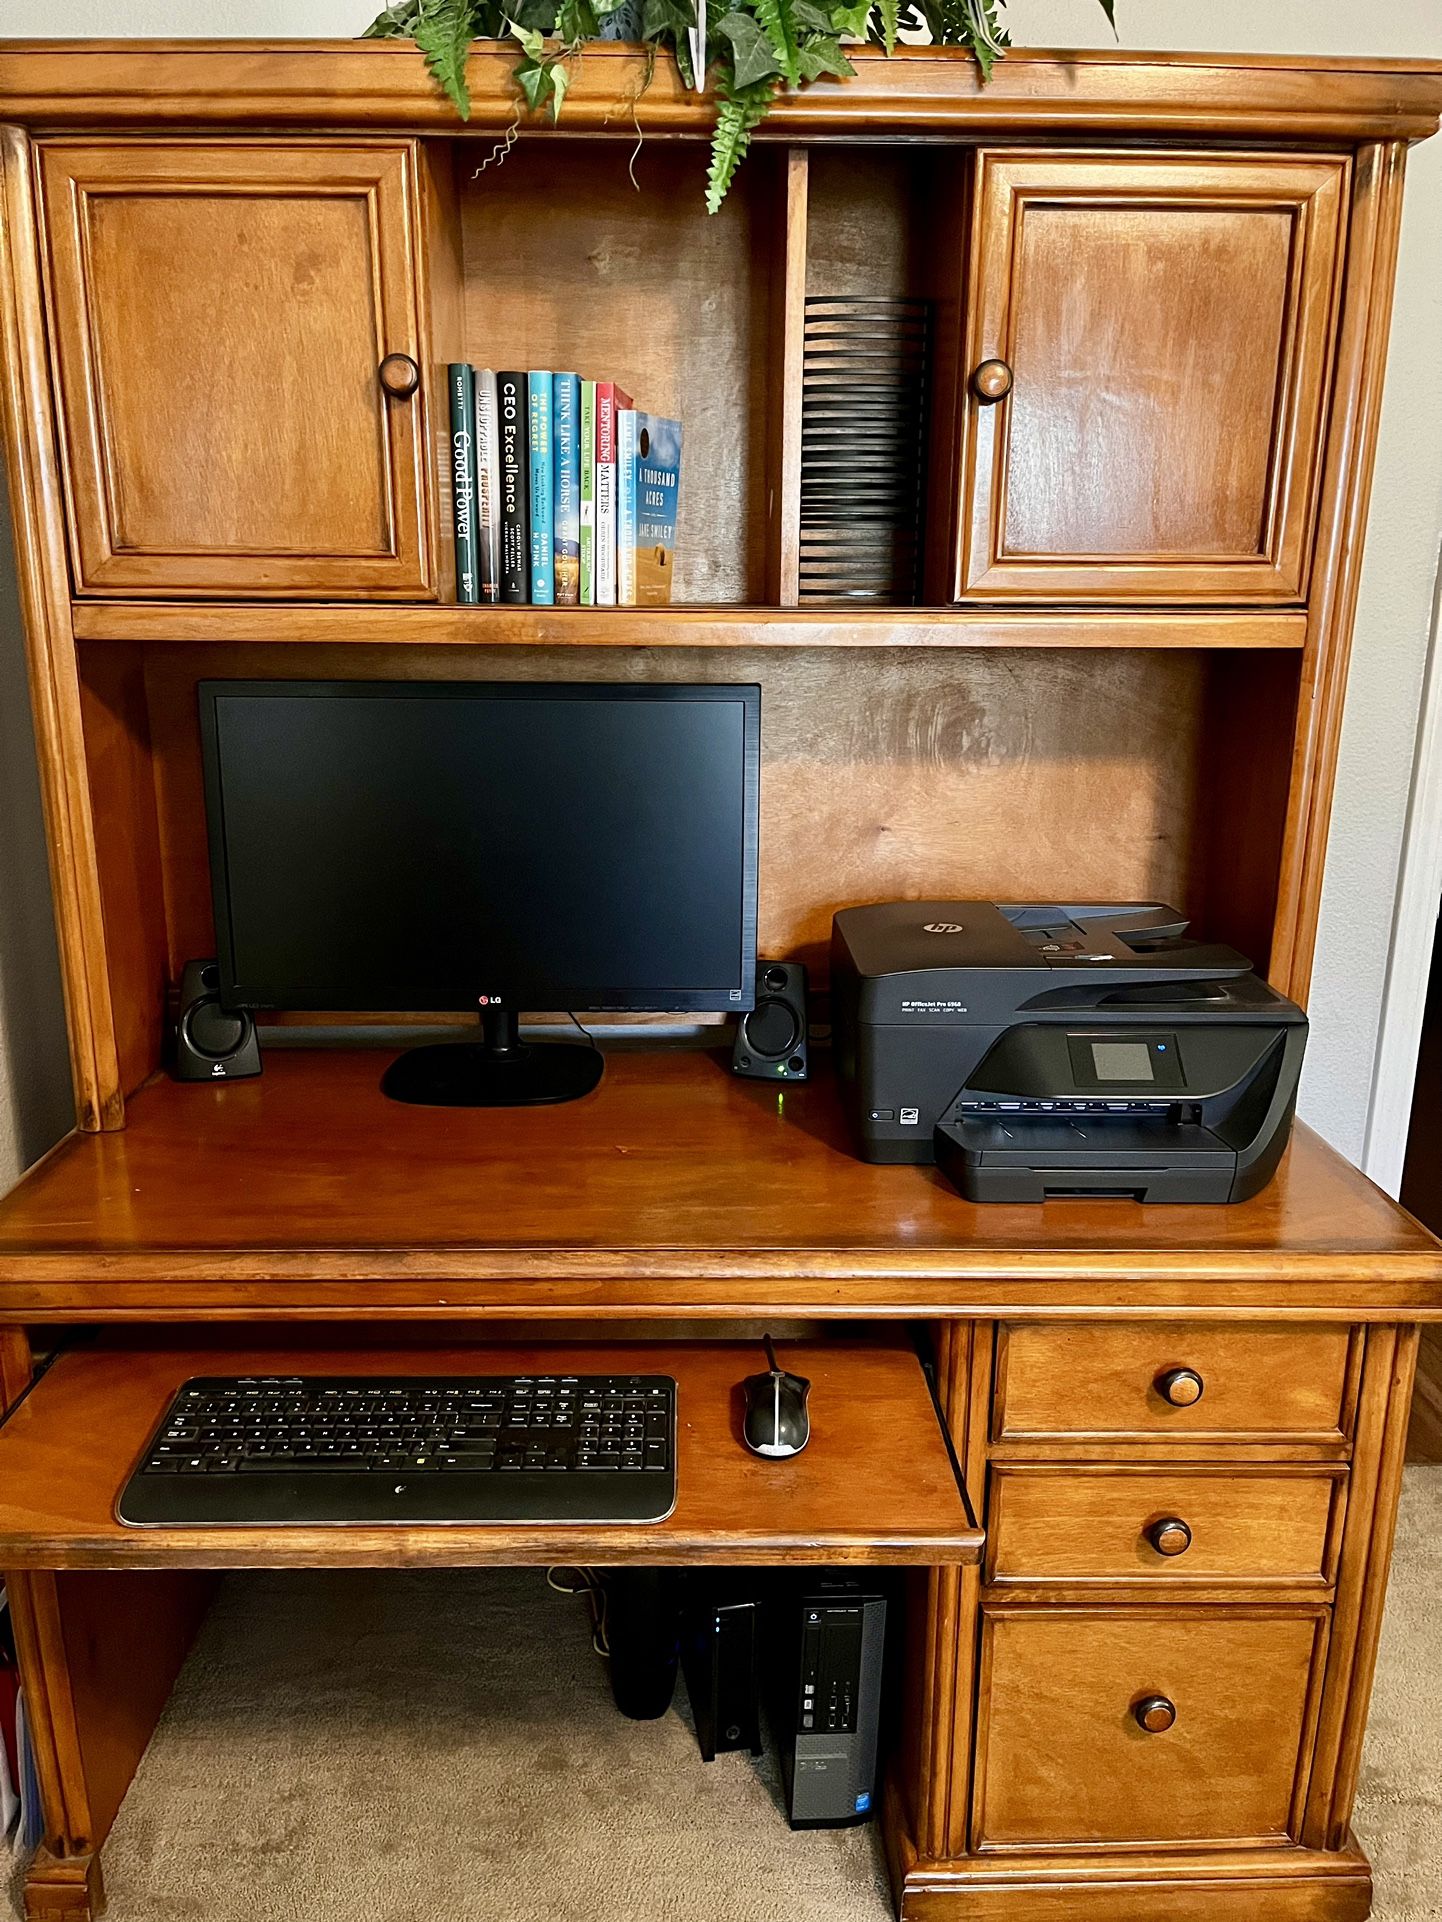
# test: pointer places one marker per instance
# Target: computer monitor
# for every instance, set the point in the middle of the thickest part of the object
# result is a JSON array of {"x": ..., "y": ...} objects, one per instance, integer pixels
[{"x": 420, "y": 846}]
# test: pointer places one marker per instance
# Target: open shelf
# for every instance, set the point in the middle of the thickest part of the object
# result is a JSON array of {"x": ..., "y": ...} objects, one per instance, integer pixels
[{"x": 875, "y": 1483}]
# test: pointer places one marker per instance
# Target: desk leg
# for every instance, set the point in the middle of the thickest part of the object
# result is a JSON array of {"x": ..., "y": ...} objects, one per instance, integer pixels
[{"x": 98, "y": 1654}]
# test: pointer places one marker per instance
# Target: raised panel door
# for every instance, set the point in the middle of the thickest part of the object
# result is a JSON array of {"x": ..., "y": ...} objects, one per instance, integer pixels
[
  {"x": 1148, "y": 350},
  {"x": 220, "y": 313}
]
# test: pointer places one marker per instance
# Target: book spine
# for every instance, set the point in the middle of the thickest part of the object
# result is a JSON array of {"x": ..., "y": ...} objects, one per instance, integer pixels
[
  {"x": 626, "y": 506},
  {"x": 462, "y": 388},
  {"x": 488, "y": 485},
  {"x": 588, "y": 493},
  {"x": 511, "y": 404},
  {"x": 609, "y": 398},
  {"x": 566, "y": 453},
  {"x": 543, "y": 510},
  {"x": 658, "y": 483}
]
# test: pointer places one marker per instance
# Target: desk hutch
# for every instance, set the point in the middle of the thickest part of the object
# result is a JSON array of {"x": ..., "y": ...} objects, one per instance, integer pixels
[{"x": 1143, "y": 541}]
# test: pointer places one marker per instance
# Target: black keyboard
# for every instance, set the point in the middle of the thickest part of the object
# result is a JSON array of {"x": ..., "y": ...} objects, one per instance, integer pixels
[{"x": 409, "y": 1448}]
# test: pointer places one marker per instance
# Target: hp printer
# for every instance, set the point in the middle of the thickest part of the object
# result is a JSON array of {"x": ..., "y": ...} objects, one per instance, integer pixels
[{"x": 1048, "y": 1050}]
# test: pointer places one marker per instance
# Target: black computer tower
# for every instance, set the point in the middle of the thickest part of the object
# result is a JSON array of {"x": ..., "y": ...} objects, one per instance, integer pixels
[
  {"x": 720, "y": 1658},
  {"x": 825, "y": 1698}
]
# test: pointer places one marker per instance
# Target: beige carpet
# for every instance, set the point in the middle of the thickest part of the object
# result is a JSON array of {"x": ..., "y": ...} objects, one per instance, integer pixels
[{"x": 375, "y": 1748}]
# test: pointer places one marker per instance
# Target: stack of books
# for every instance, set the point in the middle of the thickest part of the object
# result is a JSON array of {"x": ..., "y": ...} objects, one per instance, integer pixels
[{"x": 564, "y": 493}]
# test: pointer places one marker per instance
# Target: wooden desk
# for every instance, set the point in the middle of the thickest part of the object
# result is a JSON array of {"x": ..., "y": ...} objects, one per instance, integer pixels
[
  {"x": 1118, "y": 690},
  {"x": 302, "y": 1220}
]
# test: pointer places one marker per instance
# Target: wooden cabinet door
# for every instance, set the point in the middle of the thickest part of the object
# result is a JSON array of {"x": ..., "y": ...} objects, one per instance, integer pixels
[
  {"x": 219, "y": 314},
  {"x": 1148, "y": 350}
]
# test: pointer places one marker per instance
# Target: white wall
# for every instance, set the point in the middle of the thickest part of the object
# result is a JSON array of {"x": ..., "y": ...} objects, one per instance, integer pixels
[{"x": 1403, "y": 544}]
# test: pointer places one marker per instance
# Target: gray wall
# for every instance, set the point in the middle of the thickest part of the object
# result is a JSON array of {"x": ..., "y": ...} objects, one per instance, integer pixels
[{"x": 1393, "y": 621}]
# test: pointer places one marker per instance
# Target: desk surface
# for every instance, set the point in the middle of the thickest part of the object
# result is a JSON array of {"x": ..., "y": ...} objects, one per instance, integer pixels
[{"x": 673, "y": 1189}]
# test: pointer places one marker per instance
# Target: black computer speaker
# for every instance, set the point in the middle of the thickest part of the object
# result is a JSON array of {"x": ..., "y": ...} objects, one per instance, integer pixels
[
  {"x": 771, "y": 1041},
  {"x": 211, "y": 1044}
]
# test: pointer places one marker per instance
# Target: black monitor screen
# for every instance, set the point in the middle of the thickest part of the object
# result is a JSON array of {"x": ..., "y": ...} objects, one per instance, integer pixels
[{"x": 380, "y": 845}]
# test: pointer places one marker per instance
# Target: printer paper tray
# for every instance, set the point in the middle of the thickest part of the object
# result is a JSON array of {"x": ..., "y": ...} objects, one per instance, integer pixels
[{"x": 1047, "y": 1159}]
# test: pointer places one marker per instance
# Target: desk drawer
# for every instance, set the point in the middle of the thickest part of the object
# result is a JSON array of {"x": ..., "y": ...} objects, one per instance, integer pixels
[
  {"x": 1063, "y": 1758},
  {"x": 1143, "y": 1382},
  {"x": 1160, "y": 1526}
]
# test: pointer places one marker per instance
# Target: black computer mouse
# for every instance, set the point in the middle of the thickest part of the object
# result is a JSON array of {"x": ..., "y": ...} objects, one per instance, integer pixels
[{"x": 777, "y": 1424}]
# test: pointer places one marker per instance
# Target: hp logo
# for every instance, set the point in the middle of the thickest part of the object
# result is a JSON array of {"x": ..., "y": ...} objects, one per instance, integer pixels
[{"x": 942, "y": 927}]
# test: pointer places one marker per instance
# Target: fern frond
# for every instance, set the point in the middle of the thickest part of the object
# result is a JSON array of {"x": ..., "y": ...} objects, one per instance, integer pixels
[
  {"x": 442, "y": 31},
  {"x": 739, "y": 111},
  {"x": 890, "y": 22},
  {"x": 780, "y": 25}
]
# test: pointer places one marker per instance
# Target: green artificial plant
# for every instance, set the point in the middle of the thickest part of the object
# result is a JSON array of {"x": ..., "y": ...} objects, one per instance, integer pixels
[{"x": 755, "y": 47}]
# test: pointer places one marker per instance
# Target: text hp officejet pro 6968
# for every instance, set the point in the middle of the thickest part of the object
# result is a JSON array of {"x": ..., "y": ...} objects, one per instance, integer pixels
[{"x": 1040, "y": 1050}]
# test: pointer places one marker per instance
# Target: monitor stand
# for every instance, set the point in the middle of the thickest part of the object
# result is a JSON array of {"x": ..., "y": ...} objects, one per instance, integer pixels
[{"x": 498, "y": 1071}]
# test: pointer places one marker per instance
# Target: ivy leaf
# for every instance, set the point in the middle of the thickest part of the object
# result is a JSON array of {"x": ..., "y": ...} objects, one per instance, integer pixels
[
  {"x": 539, "y": 15},
  {"x": 560, "y": 81},
  {"x": 662, "y": 17},
  {"x": 776, "y": 18},
  {"x": 810, "y": 18},
  {"x": 822, "y": 54},
  {"x": 396, "y": 22},
  {"x": 535, "y": 79},
  {"x": 443, "y": 34},
  {"x": 754, "y": 60},
  {"x": 851, "y": 21},
  {"x": 531, "y": 42},
  {"x": 576, "y": 22}
]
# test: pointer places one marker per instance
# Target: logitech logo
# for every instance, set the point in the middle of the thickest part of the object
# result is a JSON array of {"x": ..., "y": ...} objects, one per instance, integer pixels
[{"x": 942, "y": 927}]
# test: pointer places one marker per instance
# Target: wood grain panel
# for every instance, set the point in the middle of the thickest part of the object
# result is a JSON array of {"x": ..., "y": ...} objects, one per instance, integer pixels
[
  {"x": 322, "y": 1197},
  {"x": 452, "y": 626},
  {"x": 127, "y": 853},
  {"x": 1073, "y": 1379},
  {"x": 1141, "y": 1885},
  {"x": 1062, "y": 1760},
  {"x": 643, "y": 291},
  {"x": 1168, "y": 323},
  {"x": 874, "y": 1483},
  {"x": 220, "y": 313},
  {"x": 1373, "y": 236},
  {"x": 43, "y": 579},
  {"x": 1093, "y": 1525},
  {"x": 1061, "y": 776}
]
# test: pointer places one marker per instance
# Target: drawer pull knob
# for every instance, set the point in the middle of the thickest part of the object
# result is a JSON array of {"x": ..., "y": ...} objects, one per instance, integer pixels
[
  {"x": 1155, "y": 1714},
  {"x": 992, "y": 381},
  {"x": 400, "y": 376},
  {"x": 1182, "y": 1387},
  {"x": 1170, "y": 1536}
]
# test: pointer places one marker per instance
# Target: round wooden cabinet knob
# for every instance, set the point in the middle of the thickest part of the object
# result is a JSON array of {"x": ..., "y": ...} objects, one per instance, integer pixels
[
  {"x": 1170, "y": 1536},
  {"x": 1155, "y": 1714},
  {"x": 992, "y": 381},
  {"x": 399, "y": 376},
  {"x": 1181, "y": 1387}
]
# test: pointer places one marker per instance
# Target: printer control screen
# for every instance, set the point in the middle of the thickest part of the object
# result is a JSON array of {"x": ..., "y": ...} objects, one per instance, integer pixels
[
  {"x": 1118, "y": 1061},
  {"x": 1122, "y": 1061}
]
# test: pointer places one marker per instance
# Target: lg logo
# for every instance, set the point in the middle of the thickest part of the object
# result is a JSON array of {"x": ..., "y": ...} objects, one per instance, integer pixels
[{"x": 943, "y": 927}]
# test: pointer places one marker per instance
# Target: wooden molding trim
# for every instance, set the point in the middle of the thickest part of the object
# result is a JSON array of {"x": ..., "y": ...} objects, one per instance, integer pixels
[
  {"x": 444, "y": 626},
  {"x": 45, "y": 1677},
  {"x": 37, "y": 508},
  {"x": 377, "y": 84},
  {"x": 1337, "y": 563}
]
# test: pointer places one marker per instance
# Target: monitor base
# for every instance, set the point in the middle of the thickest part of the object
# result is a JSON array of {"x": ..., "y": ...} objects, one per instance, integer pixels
[{"x": 483, "y": 1074}]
